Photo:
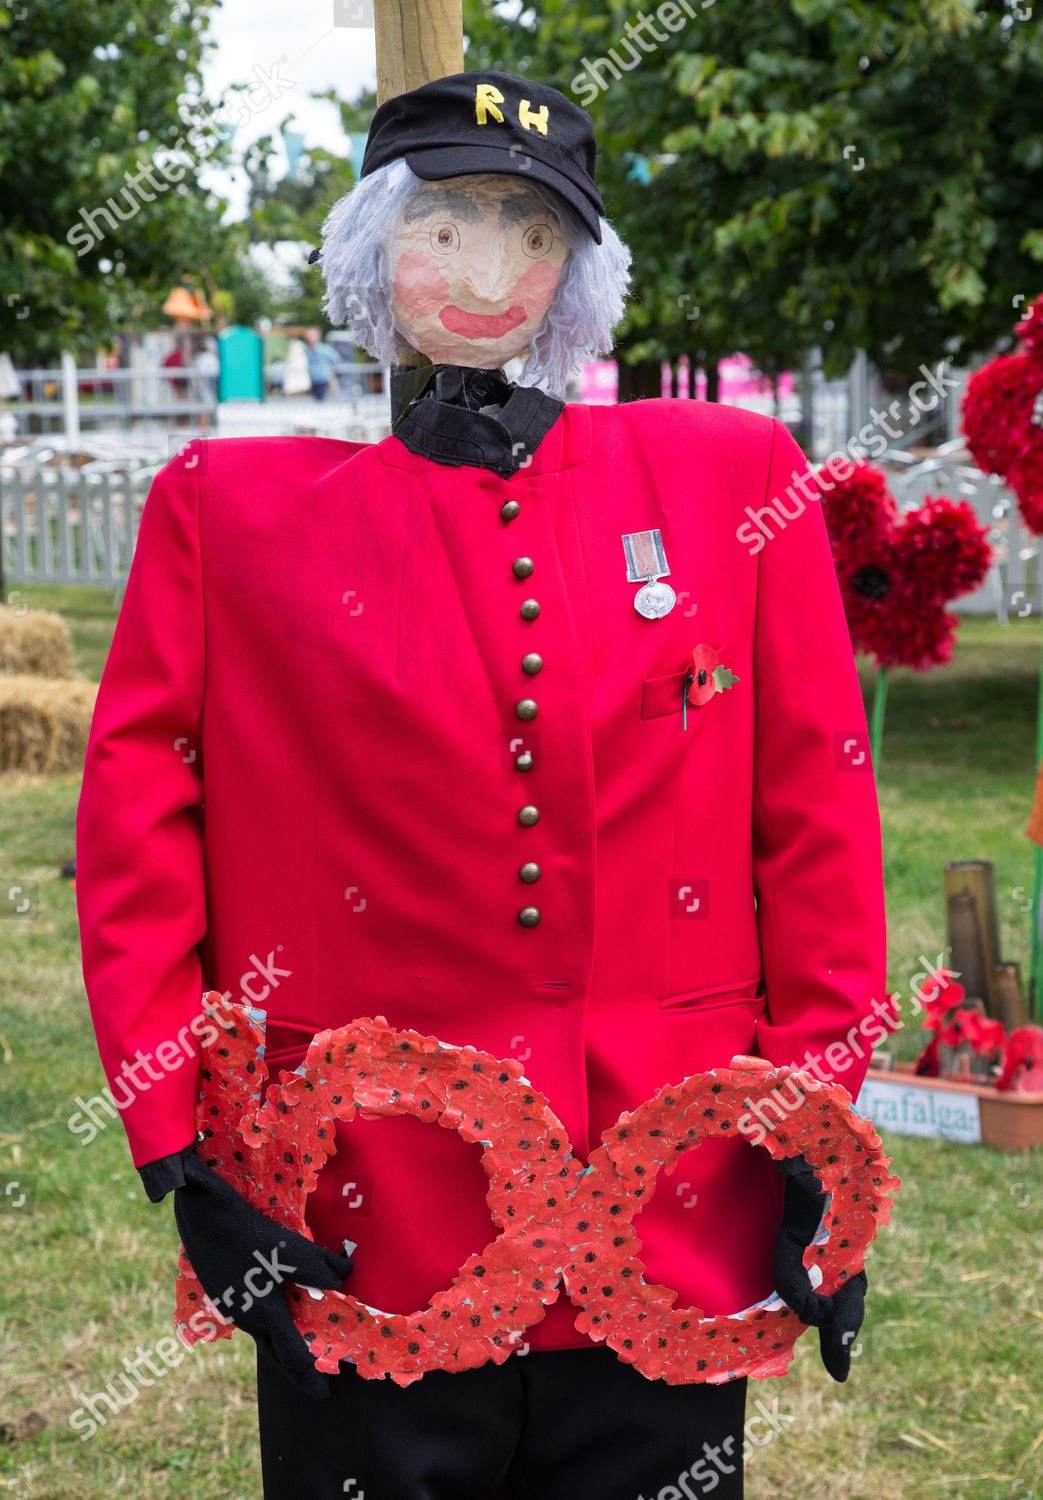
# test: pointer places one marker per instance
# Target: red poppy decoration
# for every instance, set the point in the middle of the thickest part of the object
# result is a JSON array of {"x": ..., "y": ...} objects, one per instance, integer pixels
[
  {"x": 952, "y": 1024},
  {"x": 898, "y": 571},
  {"x": 499, "y": 1292},
  {"x": 556, "y": 1219},
  {"x": 706, "y": 676},
  {"x": 939, "y": 995},
  {"x": 1022, "y": 1070},
  {"x": 939, "y": 985},
  {"x": 787, "y": 1112},
  {"x": 233, "y": 1077},
  {"x": 983, "y": 1037},
  {"x": 1003, "y": 417}
]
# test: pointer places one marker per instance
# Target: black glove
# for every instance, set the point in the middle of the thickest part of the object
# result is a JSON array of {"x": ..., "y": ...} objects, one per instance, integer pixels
[
  {"x": 243, "y": 1260},
  {"x": 838, "y": 1317}
]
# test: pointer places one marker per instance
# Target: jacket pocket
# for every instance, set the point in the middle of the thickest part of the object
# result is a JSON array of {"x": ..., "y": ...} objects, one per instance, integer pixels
[
  {"x": 662, "y": 695},
  {"x": 748, "y": 991}
]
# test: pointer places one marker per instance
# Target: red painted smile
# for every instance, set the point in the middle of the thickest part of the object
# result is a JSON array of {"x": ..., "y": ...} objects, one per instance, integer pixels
[{"x": 481, "y": 325}]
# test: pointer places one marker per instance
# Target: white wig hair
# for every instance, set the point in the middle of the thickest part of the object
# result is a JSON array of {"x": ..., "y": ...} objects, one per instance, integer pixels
[{"x": 588, "y": 304}]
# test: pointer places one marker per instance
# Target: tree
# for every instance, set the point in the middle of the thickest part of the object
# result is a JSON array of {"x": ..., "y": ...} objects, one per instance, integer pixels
[
  {"x": 840, "y": 173},
  {"x": 292, "y": 209},
  {"x": 103, "y": 133}
]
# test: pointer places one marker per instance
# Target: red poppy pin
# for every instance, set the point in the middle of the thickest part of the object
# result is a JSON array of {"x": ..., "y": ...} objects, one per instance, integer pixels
[{"x": 705, "y": 677}]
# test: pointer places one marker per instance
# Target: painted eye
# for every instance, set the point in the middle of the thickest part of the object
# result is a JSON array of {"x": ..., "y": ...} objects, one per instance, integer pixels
[
  {"x": 537, "y": 240},
  {"x": 445, "y": 238}
]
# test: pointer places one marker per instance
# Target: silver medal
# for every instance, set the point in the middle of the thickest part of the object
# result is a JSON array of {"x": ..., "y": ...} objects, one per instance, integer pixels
[
  {"x": 655, "y": 600},
  {"x": 646, "y": 564}
]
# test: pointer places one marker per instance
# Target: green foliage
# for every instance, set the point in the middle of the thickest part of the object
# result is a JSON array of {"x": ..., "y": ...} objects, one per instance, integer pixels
[
  {"x": 94, "y": 95},
  {"x": 293, "y": 209},
  {"x": 852, "y": 175}
]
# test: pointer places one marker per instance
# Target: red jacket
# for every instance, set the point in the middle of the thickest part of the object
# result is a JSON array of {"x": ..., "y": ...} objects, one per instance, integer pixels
[{"x": 325, "y": 640}]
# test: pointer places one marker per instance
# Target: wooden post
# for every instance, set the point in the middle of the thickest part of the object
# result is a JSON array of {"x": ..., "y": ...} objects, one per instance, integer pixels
[
  {"x": 965, "y": 945},
  {"x": 417, "y": 41},
  {"x": 970, "y": 889},
  {"x": 1010, "y": 999}
]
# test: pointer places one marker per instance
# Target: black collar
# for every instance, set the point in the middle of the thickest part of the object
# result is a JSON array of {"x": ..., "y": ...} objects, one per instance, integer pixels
[{"x": 477, "y": 417}]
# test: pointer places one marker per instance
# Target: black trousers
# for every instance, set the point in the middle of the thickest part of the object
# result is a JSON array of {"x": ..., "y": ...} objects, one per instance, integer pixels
[{"x": 568, "y": 1424}]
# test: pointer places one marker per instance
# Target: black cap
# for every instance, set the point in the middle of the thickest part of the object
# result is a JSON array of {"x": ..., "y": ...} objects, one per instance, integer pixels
[{"x": 491, "y": 122}]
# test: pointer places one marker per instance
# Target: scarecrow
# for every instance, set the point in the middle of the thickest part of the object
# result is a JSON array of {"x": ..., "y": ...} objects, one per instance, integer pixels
[{"x": 494, "y": 728}]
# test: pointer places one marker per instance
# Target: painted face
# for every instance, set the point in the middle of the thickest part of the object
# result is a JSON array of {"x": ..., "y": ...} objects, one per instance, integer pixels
[{"x": 476, "y": 261}]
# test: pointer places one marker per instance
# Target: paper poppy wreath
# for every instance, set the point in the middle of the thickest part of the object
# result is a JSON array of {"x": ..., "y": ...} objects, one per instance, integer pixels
[
  {"x": 606, "y": 1279},
  {"x": 899, "y": 571},
  {"x": 557, "y": 1219},
  {"x": 1003, "y": 417},
  {"x": 272, "y": 1152}
]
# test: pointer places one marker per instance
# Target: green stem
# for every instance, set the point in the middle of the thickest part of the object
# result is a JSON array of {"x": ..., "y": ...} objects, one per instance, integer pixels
[
  {"x": 876, "y": 728},
  {"x": 1036, "y": 964},
  {"x": 1035, "y": 985}
]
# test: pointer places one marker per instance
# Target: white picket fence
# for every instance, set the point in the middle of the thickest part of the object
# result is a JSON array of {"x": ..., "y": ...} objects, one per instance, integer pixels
[
  {"x": 66, "y": 526},
  {"x": 1014, "y": 583}
]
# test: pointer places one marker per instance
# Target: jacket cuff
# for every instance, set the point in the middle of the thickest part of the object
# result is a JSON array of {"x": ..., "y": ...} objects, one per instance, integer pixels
[
  {"x": 793, "y": 1166},
  {"x": 161, "y": 1177}
]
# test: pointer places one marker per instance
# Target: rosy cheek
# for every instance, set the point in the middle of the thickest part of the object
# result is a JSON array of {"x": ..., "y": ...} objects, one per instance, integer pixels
[
  {"x": 420, "y": 286},
  {"x": 536, "y": 287}
]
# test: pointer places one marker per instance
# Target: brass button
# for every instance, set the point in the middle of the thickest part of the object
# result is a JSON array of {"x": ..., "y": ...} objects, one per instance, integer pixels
[
  {"x": 510, "y": 511},
  {"x": 528, "y": 815},
  {"x": 529, "y": 916},
  {"x": 523, "y": 567},
  {"x": 530, "y": 609},
  {"x": 525, "y": 708},
  {"x": 532, "y": 663},
  {"x": 523, "y": 761},
  {"x": 530, "y": 873}
]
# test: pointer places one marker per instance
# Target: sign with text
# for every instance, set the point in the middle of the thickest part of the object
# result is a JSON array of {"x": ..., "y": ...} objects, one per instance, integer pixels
[{"x": 910, "y": 1110}]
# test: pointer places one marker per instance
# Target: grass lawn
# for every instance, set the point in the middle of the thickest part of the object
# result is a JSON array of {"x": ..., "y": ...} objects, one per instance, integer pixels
[{"x": 944, "y": 1399}]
